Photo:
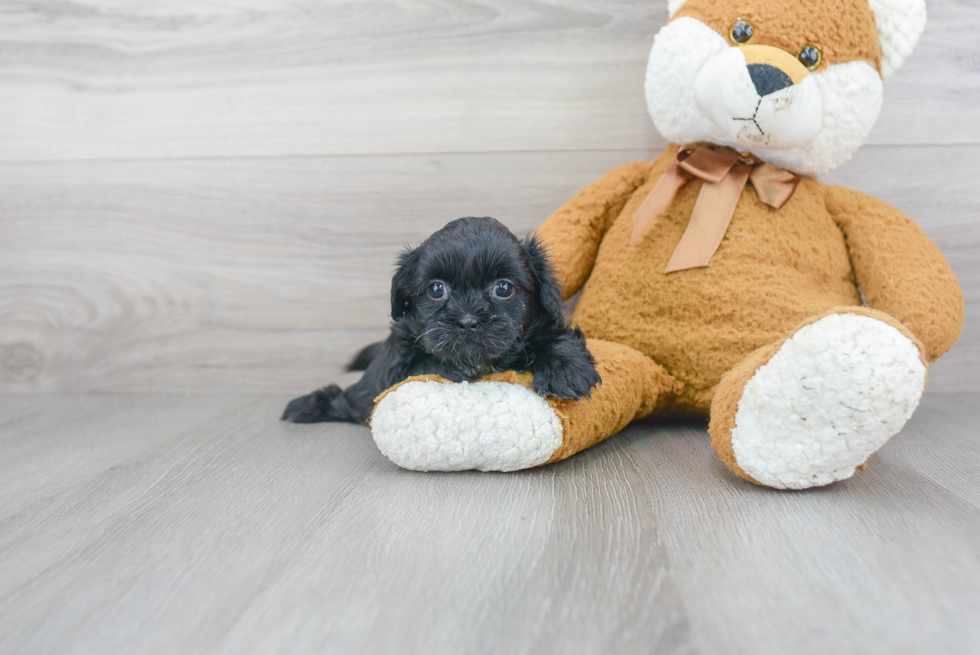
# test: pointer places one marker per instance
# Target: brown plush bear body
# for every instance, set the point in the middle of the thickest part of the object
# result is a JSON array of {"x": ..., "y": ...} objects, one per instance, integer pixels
[
  {"x": 805, "y": 335},
  {"x": 774, "y": 270}
]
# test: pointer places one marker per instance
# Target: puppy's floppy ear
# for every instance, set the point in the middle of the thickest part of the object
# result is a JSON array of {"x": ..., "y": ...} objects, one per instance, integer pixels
[
  {"x": 546, "y": 285},
  {"x": 402, "y": 293}
]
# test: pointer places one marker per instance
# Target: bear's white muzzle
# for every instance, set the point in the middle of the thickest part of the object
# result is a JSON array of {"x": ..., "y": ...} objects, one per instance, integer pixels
[{"x": 761, "y": 108}]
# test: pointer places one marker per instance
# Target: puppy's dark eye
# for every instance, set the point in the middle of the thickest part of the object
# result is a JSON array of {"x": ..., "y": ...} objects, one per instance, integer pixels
[
  {"x": 741, "y": 32},
  {"x": 503, "y": 289},
  {"x": 437, "y": 290}
]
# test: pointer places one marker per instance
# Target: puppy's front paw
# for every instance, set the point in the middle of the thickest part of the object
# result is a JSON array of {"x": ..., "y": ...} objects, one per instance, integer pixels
[
  {"x": 566, "y": 379},
  {"x": 315, "y": 407}
]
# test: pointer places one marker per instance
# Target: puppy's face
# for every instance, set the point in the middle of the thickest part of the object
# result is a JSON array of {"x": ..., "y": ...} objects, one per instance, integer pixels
[{"x": 471, "y": 290}]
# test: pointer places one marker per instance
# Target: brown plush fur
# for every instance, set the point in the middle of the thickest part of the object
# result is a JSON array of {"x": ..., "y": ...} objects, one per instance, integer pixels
[
  {"x": 843, "y": 30},
  {"x": 632, "y": 386},
  {"x": 901, "y": 271},
  {"x": 775, "y": 271}
]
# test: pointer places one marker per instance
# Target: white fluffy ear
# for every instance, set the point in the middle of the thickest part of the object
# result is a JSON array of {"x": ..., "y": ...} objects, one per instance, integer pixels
[
  {"x": 900, "y": 24},
  {"x": 673, "y": 6}
]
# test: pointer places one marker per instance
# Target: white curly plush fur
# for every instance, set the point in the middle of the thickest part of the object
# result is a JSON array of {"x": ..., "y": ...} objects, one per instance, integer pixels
[
  {"x": 487, "y": 426},
  {"x": 829, "y": 398},
  {"x": 900, "y": 24}
]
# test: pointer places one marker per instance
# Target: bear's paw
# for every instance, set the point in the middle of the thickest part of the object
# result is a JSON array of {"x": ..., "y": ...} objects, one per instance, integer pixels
[
  {"x": 831, "y": 396},
  {"x": 487, "y": 426}
]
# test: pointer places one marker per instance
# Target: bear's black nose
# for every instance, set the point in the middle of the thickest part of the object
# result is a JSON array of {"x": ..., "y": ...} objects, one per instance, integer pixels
[{"x": 768, "y": 79}]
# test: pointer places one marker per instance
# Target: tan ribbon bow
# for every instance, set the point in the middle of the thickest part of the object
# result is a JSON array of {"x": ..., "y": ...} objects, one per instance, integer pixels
[{"x": 725, "y": 173}]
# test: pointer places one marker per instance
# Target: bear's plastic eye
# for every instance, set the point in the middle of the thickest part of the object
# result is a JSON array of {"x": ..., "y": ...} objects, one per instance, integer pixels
[
  {"x": 741, "y": 32},
  {"x": 437, "y": 290},
  {"x": 503, "y": 289},
  {"x": 810, "y": 57}
]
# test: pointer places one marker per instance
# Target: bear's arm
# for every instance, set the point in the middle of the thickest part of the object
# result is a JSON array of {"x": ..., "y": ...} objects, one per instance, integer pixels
[
  {"x": 900, "y": 270},
  {"x": 573, "y": 233}
]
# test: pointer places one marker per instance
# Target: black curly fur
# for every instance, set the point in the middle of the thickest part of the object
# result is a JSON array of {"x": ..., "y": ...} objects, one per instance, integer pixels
[{"x": 471, "y": 332}]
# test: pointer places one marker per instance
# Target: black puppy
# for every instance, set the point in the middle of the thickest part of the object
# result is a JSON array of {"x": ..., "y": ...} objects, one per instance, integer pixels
[{"x": 471, "y": 300}]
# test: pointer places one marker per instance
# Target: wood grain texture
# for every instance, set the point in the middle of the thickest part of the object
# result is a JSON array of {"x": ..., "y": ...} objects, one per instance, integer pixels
[
  {"x": 215, "y": 528},
  {"x": 268, "y": 274},
  {"x": 230, "y": 274},
  {"x": 245, "y": 535},
  {"x": 208, "y": 196},
  {"x": 26, "y": 438},
  {"x": 886, "y": 562},
  {"x": 96, "y": 79}
]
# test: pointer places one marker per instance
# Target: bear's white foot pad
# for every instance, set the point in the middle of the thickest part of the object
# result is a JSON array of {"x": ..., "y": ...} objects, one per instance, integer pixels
[
  {"x": 830, "y": 397},
  {"x": 487, "y": 426}
]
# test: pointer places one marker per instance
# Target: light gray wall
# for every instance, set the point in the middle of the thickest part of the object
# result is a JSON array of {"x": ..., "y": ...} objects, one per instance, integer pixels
[{"x": 208, "y": 195}]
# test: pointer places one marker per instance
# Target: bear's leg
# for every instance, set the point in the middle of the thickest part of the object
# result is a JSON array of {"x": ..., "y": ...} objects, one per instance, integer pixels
[
  {"x": 811, "y": 409},
  {"x": 429, "y": 425},
  {"x": 633, "y": 385}
]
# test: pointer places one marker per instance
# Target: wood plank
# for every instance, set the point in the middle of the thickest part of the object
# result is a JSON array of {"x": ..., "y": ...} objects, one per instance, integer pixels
[
  {"x": 935, "y": 447},
  {"x": 196, "y": 274},
  {"x": 265, "y": 275},
  {"x": 95, "y": 79},
  {"x": 257, "y": 536},
  {"x": 32, "y": 427},
  {"x": 886, "y": 562},
  {"x": 240, "y": 534}
]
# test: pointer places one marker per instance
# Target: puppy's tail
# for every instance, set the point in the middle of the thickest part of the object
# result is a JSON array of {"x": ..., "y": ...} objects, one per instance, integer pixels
[{"x": 365, "y": 357}]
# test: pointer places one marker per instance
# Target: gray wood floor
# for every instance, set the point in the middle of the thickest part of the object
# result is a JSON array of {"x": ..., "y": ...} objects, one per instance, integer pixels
[{"x": 193, "y": 524}]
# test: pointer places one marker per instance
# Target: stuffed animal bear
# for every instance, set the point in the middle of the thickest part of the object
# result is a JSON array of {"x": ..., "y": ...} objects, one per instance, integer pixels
[{"x": 722, "y": 278}]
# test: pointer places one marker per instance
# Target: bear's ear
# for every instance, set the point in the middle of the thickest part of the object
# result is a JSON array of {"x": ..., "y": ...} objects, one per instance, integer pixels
[
  {"x": 673, "y": 6},
  {"x": 900, "y": 24}
]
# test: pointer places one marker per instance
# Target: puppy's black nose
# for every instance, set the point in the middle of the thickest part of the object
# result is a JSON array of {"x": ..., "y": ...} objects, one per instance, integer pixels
[
  {"x": 768, "y": 79},
  {"x": 468, "y": 322}
]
